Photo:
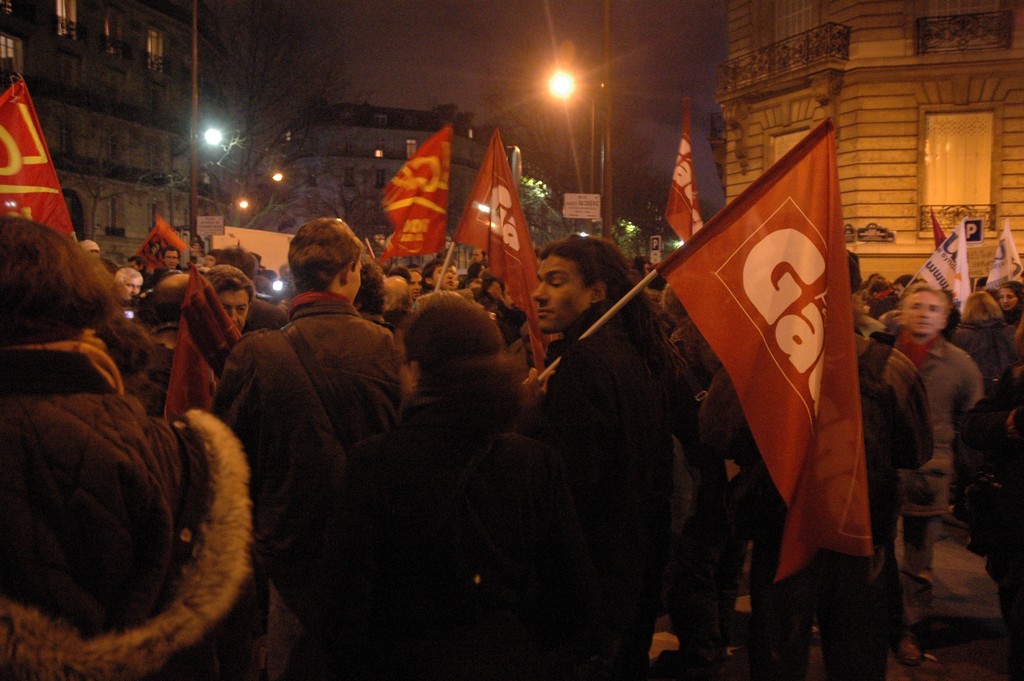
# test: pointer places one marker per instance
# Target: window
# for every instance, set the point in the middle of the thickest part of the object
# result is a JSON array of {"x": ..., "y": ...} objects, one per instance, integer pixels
[
  {"x": 113, "y": 32},
  {"x": 410, "y": 147},
  {"x": 783, "y": 143},
  {"x": 64, "y": 137},
  {"x": 350, "y": 176},
  {"x": 66, "y": 17},
  {"x": 382, "y": 177},
  {"x": 792, "y": 17},
  {"x": 957, "y": 159},
  {"x": 378, "y": 151},
  {"x": 111, "y": 214},
  {"x": 941, "y": 8},
  {"x": 155, "y": 50},
  {"x": 10, "y": 54},
  {"x": 380, "y": 120}
]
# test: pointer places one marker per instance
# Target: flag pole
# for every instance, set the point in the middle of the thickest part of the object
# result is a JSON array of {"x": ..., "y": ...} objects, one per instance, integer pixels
[
  {"x": 444, "y": 268},
  {"x": 612, "y": 311},
  {"x": 369, "y": 248}
]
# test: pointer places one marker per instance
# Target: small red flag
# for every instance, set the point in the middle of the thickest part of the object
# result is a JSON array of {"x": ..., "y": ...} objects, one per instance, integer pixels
[
  {"x": 683, "y": 210},
  {"x": 494, "y": 222},
  {"x": 161, "y": 236},
  {"x": 767, "y": 283},
  {"x": 937, "y": 233},
  {"x": 28, "y": 181},
  {"x": 416, "y": 199},
  {"x": 205, "y": 337}
]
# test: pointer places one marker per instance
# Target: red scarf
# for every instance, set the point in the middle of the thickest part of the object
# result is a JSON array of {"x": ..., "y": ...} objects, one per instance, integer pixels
[
  {"x": 916, "y": 352},
  {"x": 310, "y": 297}
]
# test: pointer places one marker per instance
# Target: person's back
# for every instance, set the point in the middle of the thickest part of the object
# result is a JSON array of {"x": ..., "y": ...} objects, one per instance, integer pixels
[
  {"x": 984, "y": 335},
  {"x": 457, "y": 553},
  {"x": 295, "y": 441},
  {"x": 116, "y": 527}
]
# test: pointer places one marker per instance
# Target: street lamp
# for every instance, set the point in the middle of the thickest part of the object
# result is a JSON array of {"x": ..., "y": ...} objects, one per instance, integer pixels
[
  {"x": 562, "y": 85},
  {"x": 213, "y": 137}
]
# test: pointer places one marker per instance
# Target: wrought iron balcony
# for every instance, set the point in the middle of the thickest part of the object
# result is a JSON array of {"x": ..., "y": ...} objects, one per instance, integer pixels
[
  {"x": 115, "y": 47},
  {"x": 964, "y": 32},
  {"x": 828, "y": 41},
  {"x": 68, "y": 29},
  {"x": 950, "y": 216},
  {"x": 155, "y": 62}
]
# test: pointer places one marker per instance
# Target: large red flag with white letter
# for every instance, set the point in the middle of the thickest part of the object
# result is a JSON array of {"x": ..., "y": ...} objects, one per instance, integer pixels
[
  {"x": 767, "y": 283},
  {"x": 683, "y": 211},
  {"x": 28, "y": 181},
  {"x": 493, "y": 221},
  {"x": 416, "y": 199}
]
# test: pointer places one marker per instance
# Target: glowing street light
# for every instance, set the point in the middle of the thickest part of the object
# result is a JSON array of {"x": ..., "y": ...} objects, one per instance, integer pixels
[
  {"x": 213, "y": 137},
  {"x": 562, "y": 85},
  {"x": 277, "y": 177},
  {"x": 243, "y": 204}
]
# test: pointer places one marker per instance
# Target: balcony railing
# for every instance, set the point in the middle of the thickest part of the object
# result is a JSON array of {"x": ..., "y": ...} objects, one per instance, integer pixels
[
  {"x": 155, "y": 62},
  {"x": 964, "y": 32},
  {"x": 828, "y": 41},
  {"x": 19, "y": 9},
  {"x": 950, "y": 216},
  {"x": 66, "y": 28},
  {"x": 115, "y": 47}
]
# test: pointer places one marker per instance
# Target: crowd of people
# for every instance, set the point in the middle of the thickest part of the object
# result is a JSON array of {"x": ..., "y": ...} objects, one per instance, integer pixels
[{"x": 386, "y": 487}]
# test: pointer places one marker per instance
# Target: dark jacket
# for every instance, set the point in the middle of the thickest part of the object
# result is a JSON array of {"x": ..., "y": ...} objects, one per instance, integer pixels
[
  {"x": 297, "y": 459},
  {"x": 264, "y": 315},
  {"x": 984, "y": 428},
  {"x": 440, "y": 573},
  {"x": 606, "y": 413},
  {"x": 990, "y": 346},
  {"x": 124, "y": 540}
]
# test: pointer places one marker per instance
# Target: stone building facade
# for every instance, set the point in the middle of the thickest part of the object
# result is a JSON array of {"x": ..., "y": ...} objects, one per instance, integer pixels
[{"x": 928, "y": 101}]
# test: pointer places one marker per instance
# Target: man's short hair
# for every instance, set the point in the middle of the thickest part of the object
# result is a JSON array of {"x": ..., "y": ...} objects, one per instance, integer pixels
[
  {"x": 925, "y": 287},
  {"x": 428, "y": 270},
  {"x": 236, "y": 256},
  {"x": 168, "y": 249},
  {"x": 227, "y": 278},
  {"x": 319, "y": 251}
]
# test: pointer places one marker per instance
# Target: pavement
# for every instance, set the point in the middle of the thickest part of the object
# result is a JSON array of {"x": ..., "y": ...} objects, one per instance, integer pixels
[{"x": 966, "y": 640}]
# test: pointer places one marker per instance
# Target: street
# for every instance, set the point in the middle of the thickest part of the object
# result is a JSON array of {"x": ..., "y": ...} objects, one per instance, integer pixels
[{"x": 966, "y": 641}]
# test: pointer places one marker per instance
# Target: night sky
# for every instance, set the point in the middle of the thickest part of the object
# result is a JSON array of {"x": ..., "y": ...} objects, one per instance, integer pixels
[{"x": 415, "y": 54}]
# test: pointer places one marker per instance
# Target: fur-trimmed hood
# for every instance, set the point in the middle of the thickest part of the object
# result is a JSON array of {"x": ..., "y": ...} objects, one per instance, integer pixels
[{"x": 38, "y": 647}]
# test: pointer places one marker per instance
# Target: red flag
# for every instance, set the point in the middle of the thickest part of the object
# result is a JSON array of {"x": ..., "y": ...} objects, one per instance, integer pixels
[
  {"x": 937, "y": 233},
  {"x": 683, "y": 210},
  {"x": 205, "y": 337},
  {"x": 28, "y": 181},
  {"x": 767, "y": 283},
  {"x": 161, "y": 236},
  {"x": 416, "y": 199},
  {"x": 209, "y": 326},
  {"x": 494, "y": 222}
]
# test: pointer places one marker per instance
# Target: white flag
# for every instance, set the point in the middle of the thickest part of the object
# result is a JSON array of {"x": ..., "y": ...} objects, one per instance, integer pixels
[
  {"x": 1006, "y": 265},
  {"x": 947, "y": 268}
]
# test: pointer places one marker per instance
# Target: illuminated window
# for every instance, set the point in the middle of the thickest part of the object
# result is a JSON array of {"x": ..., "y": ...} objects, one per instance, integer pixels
[
  {"x": 66, "y": 17},
  {"x": 410, "y": 147},
  {"x": 378, "y": 152},
  {"x": 957, "y": 159},
  {"x": 792, "y": 17},
  {"x": 155, "y": 50},
  {"x": 10, "y": 54},
  {"x": 113, "y": 32}
]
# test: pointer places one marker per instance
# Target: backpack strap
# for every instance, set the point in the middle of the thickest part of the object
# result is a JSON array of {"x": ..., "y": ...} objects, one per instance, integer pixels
[{"x": 324, "y": 388}]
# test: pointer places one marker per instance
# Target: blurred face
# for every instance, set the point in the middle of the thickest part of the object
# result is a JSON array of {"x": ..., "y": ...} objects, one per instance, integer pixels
[
  {"x": 924, "y": 315},
  {"x": 171, "y": 259},
  {"x": 898, "y": 289},
  {"x": 1007, "y": 299},
  {"x": 236, "y": 304},
  {"x": 128, "y": 286},
  {"x": 417, "y": 284},
  {"x": 451, "y": 279},
  {"x": 210, "y": 260},
  {"x": 562, "y": 296}
]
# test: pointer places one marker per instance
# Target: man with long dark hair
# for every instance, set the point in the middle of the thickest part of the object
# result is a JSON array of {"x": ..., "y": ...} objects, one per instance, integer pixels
[{"x": 605, "y": 411}]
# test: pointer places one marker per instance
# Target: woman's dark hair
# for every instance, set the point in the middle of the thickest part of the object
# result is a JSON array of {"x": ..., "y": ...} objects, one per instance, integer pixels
[
  {"x": 601, "y": 260},
  {"x": 50, "y": 288},
  {"x": 53, "y": 291},
  {"x": 370, "y": 297},
  {"x": 461, "y": 355}
]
